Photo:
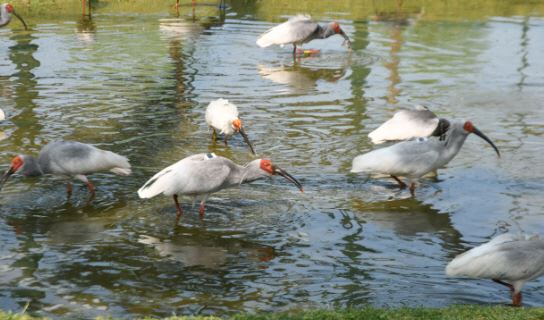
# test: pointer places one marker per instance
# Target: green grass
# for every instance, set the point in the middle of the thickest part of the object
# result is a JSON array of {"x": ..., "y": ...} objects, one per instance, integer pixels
[{"x": 448, "y": 313}]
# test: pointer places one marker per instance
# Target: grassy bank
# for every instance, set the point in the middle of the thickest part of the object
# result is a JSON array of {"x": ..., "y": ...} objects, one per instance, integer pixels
[{"x": 449, "y": 313}]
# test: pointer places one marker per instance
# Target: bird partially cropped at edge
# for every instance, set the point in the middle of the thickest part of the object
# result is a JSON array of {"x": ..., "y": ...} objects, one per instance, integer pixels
[
  {"x": 299, "y": 30},
  {"x": 73, "y": 160},
  {"x": 6, "y": 10},
  {"x": 508, "y": 259},
  {"x": 2, "y": 115},
  {"x": 202, "y": 174},
  {"x": 415, "y": 158},
  {"x": 221, "y": 115},
  {"x": 407, "y": 124}
]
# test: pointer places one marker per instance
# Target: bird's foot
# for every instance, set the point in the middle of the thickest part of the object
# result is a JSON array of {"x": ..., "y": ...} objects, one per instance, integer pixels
[
  {"x": 413, "y": 189},
  {"x": 402, "y": 185},
  {"x": 307, "y": 52}
]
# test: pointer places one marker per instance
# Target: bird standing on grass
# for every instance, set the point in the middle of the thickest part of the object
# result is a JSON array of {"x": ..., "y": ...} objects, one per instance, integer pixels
[
  {"x": 299, "y": 30},
  {"x": 222, "y": 116},
  {"x": 415, "y": 158},
  {"x": 202, "y": 174},
  {"x": 508, "y": 259},
  {"x": 6, "y": 10},
  {"x": 70, "y": 159}
]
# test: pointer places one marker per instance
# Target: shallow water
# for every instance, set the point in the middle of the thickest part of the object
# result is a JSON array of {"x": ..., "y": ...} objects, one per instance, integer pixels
[{"x": 138, "y": 84}]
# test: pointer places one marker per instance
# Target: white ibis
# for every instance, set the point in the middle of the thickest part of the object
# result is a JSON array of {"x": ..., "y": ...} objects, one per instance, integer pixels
[
  {"x": 298, "y": 30},
  {"x": 221, "y": 115},
  {"x": 70, "y": 159},
  {"x": 407, "y": 124},
  {"x": 2, "y": 115},
  {"x": 202, "y": 174},
  {"x": 508, "y": 259},
  {"x": 6, "y": 10},
  {"x": 415, "y": 158}
]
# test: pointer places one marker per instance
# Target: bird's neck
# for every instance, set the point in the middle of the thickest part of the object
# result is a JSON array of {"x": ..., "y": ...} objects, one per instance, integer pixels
[
  {"x": 32, "y": 167},
  {"x": 241, "y": 174},
  {"x": 324, "y": 32},
  {"x": 454, "y": 141}
]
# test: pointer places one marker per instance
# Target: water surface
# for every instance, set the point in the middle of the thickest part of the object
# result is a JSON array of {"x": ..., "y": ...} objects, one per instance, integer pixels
[{"x": 136, "y": 80}]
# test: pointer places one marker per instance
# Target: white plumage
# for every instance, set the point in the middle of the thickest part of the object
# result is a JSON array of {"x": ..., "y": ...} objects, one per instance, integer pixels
[
  {"x": 220, "y": 114},
  {"x": 415, "y": 158},
  {"x": 205, "y": 173},
  {"x": 406, "y": 124},
  {"x": 514, "y": 258},
  {"x": 2, "y": 115},
  {"x": 295, "y": 30}
]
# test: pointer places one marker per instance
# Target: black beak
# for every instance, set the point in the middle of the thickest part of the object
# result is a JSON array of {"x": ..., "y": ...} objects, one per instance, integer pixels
[
  {"x": 6, "y": 176},
  {"x": 287, "y": 176},
  {"x": 347, "y": 42},
  {"x": 19, "y": 17},
  {"x": 483, "y": 136},
  {"x": 246, "y": 139}
]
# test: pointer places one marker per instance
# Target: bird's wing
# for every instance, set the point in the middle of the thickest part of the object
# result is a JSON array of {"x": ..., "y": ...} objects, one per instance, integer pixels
[
  {"x": 406, "y": 124},
  {"x": 506, "y": 260},
  {"x": 294, "y": 30},
  {"x": 71, "y": 158},
  {"x": 197, "y": 174},
  {"x": 411, "y": 158},
  {"x": 220, "y": 113}
]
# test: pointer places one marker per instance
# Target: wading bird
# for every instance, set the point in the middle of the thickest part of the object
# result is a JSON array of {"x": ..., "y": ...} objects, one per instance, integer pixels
[
  {"x": 70, "y": 159},
  {"x": 221, "y": 115},
  {"x": 298, "y": 30},
  {"x": 6, "y": 10},
  {"x": 415, "y": 158},
  {"x": 2, "y": 115},
  {"x": 508, "y": 259},
  {"x": 407, "y": 124},
  {"x": 203, "y": 174}
]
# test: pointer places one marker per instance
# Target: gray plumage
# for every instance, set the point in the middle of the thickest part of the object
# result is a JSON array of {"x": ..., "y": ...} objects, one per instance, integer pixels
[
  {"x": 515, "y": 258},
  {"x": 407, "y": 124},
  {"x": 70, "y": 159}
]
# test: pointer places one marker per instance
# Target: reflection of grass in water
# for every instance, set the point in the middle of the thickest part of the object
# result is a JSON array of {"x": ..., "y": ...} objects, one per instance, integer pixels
[{"x": 273, "y": 10}]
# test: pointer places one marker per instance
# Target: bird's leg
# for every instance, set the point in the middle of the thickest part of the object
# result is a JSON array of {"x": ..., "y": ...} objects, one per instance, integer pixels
[
  {"x": 202, "y": 206},
  {"x": 413, "y": 188},
  {"x": 294, "y": 50},
  {"x": 178, "y": 208},
  {"x": 225, "y": 140},
  {"x": 89, "y": 184},
  {"x": 516, "y": 299},
  {"x": 402, "y": 185},
  {"x": 214, "y": 135},
  {"x": 69, "y": 189}
]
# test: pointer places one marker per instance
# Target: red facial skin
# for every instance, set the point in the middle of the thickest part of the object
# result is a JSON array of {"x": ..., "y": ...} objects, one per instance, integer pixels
[
  {"x": 336, "y": 27},
  {"x": 9, "y": 8},
  {"x": 16, "y": 163},
  {"x": 237, "y": 124},
  {"x": 468, "y": 126},
  {"x": 266, "y": 165}
]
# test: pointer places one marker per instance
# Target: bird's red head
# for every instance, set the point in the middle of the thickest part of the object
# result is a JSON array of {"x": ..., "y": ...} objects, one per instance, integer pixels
[
  {"x": 336, "y": 27},
  {"x": 16, "y": 163},
  {"x": 266, "y": 165},
  {"x": 468, "y": 127},
  {"x": 237, "y": 124},
  {"x": 9, "y": 8}
]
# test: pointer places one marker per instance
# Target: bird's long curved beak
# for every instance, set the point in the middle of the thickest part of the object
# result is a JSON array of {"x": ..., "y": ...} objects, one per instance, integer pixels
[
  {"x": 6, "y": 176},
  {"x": 347, "y": 42},
  {"x": 483, "y": 136},
  {"x": 289, "y": 177},
  {"x": 246, "y": 139},
  {"x": 20, "y": 18}
]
